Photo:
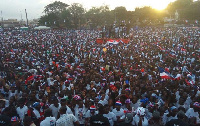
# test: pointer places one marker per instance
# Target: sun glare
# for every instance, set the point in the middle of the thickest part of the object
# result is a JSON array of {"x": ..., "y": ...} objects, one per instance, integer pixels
[
  {"x": 159, "y": 7},
  {"x": 159, "y": 4}
]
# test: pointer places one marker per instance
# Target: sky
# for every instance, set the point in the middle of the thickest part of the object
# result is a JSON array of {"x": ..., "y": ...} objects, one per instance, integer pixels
[{"x": 15, "y": 9}]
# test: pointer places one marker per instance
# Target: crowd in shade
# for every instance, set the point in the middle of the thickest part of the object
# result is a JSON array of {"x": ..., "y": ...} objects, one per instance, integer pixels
[{"x": 64, "y": 78}]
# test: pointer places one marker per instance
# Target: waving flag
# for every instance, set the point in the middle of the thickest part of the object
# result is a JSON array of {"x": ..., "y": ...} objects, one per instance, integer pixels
[
  {"x": 30, "y": 78},
  {"x": 112, "y": 41},
  {"x": 164, "y": 74}
]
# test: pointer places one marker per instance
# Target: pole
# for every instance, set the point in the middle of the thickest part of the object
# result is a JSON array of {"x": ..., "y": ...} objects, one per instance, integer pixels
[
  {"x": 2, "y": 18},
  {"x": 26, "y": 18}
]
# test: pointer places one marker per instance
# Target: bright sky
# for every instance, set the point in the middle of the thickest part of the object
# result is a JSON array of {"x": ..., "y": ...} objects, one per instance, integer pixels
[{"x": 15, "y": 9}]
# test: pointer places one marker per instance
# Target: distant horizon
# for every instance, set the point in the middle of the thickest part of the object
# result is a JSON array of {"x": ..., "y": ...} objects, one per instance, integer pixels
[{"x": 15, "y": 9}]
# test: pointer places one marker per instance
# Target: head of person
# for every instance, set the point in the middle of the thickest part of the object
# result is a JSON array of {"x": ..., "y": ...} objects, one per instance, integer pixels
[
  {"x": 21, "y": 102},
  {"x": 63, "y": 102},
  {"x": 173, "y": 111},
  {"x": 101, "y": 110},
  {"x": 28, "y": 121},
  {"x": 156, "y": 115},
  {"x": 106, "y": 108},
  {"x": 36, "y": 105},
  {"x": 92, "y": 109},
  {"x": 63, "y": 110},
  {"x": 54, "y": 101},
  {"x": 48, "y": 113},
  {"x": 181, "y": 115},
  {"x": 15, "y": 121},
  {"x": 196, "y": 106},
  {"x": 127, "y": 103},
  {"x": 118, "y": 105},
  {"x": 80, "y": 103}
]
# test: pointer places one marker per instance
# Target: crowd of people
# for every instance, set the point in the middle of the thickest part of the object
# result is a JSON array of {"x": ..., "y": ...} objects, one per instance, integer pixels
[{"x": 64, "y": 78}]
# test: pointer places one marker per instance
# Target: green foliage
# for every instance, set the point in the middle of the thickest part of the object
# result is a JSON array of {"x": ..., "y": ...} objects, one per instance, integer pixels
[
  {"x": 187, "y": 9},
  {"x": 55, "y": 7},
  {"x": 59, "y": 14}
]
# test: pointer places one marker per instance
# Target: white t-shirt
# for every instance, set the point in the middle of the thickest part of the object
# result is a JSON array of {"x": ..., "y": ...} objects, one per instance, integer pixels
[
  {"x": 118, "y": 113},
  {"x": 111, "y": 117},
  {"x": 69, "y": 111},
  {"x": 66, "y": 120},
  {"x": 136, "y": 120},
  {"x": 88, "y": 114},
  {"x": 54, "y": 110},
  {"x": 37, "y": 113},
  {"x": 191, "y": 113},
  {"x": 80, "y": 114},
  {"x": 166, "y": 119},
  {"x": 49, "y": 121},
  {"x": 22, "y": 111}
]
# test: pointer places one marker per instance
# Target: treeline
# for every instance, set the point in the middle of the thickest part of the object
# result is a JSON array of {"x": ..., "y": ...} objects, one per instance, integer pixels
[{"x": 59, "y": 14}]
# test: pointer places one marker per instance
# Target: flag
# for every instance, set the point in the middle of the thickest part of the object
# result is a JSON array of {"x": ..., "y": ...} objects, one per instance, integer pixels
[
  {"x": 30, "y": 78},
  {"x": 178, "y": 77},
  {"x": 164, "y": 74},
  {"x": 111, "y": 41},
  {"x": 189, "y": 82}
]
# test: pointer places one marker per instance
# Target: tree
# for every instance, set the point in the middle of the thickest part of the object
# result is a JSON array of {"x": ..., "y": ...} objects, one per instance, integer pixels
[
  {"x": 55, "y": 7},
  {"x": 55, "y": 14},
  {"x": 77, "y": 12}
]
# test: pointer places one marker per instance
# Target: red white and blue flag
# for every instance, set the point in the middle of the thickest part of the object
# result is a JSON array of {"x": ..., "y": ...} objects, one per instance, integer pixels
[{"x": 164, "y": 74}]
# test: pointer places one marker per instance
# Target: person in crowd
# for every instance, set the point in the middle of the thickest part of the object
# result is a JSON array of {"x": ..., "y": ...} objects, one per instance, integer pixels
[
  {"x": 99, "y": 119},
  {"x": 127, "y": 121},
  {"x": 180, "y": 121},
  {"x": 22, "y": 109},
  {"x": 49, "y": 119},
  {"x": 66, "y": 119},
  {"x": 110, "y": 115},
  {"x": 92, "y": 111},
  {"x": 139, "y": 119},
  {"x": 158, "y": 69}
]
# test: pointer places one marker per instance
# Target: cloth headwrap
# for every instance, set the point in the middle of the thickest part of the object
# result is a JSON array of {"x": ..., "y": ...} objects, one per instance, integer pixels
[
  {"x": 172, "y": 108},
  {"x": 128, "y": 101},
  {"x": 145, "y": 100},
  {"x": 92, "y": 107},
  {"x": 127, "y": 89},
  {"x": 36, "y": 104},
  {"x": 14, "y": 119},
  {"x": 118, "y": 103},
  {"x": 76, "y": 97},
  {"x": 196, "y": 104}
]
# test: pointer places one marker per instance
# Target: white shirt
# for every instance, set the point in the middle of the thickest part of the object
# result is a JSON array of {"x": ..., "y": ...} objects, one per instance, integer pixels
[
  {"x": 118, "y": 113},
  {"x": 80, "y": 111},
  {"x": 54, "y": 110},
  {"x": 66, "y": 120},
  {"x": 69, "y": 111},
  {"x": 22, "y": 111},
  {"x": 111, "y": 117},
  {"x": 37, "y": 113},
  {"x": 191, "y": 113},
  {"x": 88, "y": 114},
  {"x": 136, "y": 120},
  {"x": 166, "y": 119},
  {"x": 49, "y": 121}
]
